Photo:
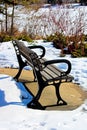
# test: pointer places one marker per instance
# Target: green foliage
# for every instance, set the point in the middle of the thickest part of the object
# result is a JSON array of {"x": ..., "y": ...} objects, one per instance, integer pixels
[
  {"x": 76, "y": 45},
  {"x": 24, "y": 38},
  {"x": 76, "y": 53},
  {"x": 81, "y": 51},
  {"x": 86, "y": 46},
  {"x": 85, "y": 37},
  {"x": 86, "y": 49},
  {"x": 5, "y": 37},
  {"x": 58, "y": 40},
  {"x": 20, "y": 36}
]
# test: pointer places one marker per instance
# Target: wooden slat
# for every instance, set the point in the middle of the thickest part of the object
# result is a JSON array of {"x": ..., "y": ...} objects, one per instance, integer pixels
[
  {"x": 52, "y": 68},
  {"x": 51, "y": 72},
  {"x": 46, "y": 76}
]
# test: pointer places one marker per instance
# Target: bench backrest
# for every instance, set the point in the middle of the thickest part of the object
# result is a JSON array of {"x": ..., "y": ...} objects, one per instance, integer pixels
[{"x": 31, "y": 56}]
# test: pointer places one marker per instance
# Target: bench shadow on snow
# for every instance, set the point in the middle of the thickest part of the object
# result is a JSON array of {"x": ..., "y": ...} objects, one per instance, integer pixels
[{"x": 3, "y": 102}]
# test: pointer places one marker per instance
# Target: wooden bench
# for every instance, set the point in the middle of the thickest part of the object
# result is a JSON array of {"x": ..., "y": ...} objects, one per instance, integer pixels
[{"x": 45, "y": 73}]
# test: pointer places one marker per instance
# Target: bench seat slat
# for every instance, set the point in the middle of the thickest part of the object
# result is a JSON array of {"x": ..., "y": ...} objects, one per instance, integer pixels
[
  {"x": 51, "y": 73},
  {"x": 46, "y": 77},
  {"x": 52, "y": 67}
]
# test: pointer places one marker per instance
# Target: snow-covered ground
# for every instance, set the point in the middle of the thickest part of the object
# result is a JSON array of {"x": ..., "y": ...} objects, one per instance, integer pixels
[
  {"x": 69, "y": 19},
  {"x": 79, "y": 65},
  {"x": 45, "y": 21},
  {"x": 13, "y": 111}
]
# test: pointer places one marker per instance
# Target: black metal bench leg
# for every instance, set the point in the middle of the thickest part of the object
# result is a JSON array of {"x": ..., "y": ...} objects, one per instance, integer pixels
[
  {"x": 22, "y": 64},
  {"x": 34, "y": 103},
  {"x": 19, "y": 72},
  {"x": 60, "y": 100},
  {"x": 35, "y": 79}
]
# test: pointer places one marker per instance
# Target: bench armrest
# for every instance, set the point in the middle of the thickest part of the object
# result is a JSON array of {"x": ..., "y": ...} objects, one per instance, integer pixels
[
  {"x": 60, "y": 61},
  {"x": 39, "y": 47}
]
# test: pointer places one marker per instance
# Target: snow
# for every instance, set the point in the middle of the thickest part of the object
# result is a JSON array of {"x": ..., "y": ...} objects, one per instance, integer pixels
[
  {"x": 14, "y": 115},
  {"x": 13, "y": 111},
  {"x": 46, "y": 21},
  {"x": 79, "y": 65}
]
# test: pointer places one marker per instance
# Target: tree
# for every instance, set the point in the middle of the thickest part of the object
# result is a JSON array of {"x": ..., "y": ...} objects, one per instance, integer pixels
[{"x": 9, "y": 2}]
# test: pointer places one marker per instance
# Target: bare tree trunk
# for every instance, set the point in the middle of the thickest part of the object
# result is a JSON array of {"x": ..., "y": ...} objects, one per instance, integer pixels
[
  {"x": 12, "y": 21},
  {"x": 6, "y": 17}
]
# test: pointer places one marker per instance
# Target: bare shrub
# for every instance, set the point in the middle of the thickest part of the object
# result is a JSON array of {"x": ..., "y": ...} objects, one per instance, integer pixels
[{"x": 59, "y": 20}]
